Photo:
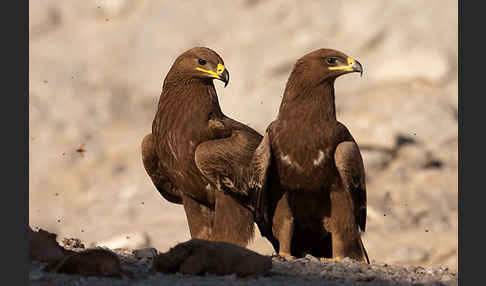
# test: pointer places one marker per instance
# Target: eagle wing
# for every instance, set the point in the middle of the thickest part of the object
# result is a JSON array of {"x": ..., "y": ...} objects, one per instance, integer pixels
[
  {"x": 225, "y": 162},
  {"x": 260, "y": 168},
  {"x": 156, "y": 172},
  {"x": 351, "y": 170}
]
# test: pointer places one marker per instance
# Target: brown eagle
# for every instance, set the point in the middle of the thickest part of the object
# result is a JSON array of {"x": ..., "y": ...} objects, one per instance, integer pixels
[
  {"x": 198, "y": 157},
  {"x": 308, "y": 177}
]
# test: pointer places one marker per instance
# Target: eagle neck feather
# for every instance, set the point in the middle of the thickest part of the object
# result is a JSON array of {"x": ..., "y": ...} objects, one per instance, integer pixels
[
  {"x": 309, "y": 103},
  {"x": 185, "y": 106},
  {"x": 197, "y": 92}
]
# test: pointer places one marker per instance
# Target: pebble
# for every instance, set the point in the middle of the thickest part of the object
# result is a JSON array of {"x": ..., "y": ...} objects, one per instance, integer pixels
[
  {"x": 35, "y": 275},
  {"x": 145, "y": 253},
  {"x": 312, "y": 258}
]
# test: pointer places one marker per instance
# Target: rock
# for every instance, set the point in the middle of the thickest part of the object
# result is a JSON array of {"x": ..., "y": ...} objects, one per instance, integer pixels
[
  {"x": 91, "y": 262},
  {"x": 132, "y": 240},
  {"x": 312, "y": 258},
  {"x": 145, "y": 253},
  {"x": 44, "y": 247},
  {"x": 197, "y": 257},
  {"x": 72, "y": 243}
]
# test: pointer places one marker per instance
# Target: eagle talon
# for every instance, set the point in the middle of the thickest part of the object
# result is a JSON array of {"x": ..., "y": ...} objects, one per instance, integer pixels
[
  {"x": 334, "y": 259},
  {"x": 285, "y": 255}
]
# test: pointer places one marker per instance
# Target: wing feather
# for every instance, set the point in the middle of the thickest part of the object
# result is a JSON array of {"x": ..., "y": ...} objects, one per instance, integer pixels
[
  {"x": 156, "y": 172},
  {"x": 260, "y": 168},
  {"x": 225, "y": 162},
  {"x": 351, "y": 170}
]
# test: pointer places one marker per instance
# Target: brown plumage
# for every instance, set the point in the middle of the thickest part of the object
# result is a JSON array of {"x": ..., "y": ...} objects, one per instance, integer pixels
[
  {"x": 308, "y": 177},
  {"x": 198, "y": 157}
]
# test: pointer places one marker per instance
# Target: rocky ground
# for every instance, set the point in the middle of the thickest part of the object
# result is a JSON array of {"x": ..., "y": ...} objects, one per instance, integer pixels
[
  {"x": 96, "y": 70},
  {"x": 303, "y": 271}
]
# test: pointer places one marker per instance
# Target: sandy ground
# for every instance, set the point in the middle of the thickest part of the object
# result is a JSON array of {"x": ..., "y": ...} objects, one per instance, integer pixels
[{"x": 96, "y": 70}]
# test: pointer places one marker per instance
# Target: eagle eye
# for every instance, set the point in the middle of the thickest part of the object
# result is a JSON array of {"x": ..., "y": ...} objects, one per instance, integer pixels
[
  {"x": 202, "y": 62},
  {"x": 331, "y": 60}
]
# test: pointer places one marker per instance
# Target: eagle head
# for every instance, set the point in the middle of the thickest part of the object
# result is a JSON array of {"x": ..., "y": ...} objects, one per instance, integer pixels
[
  {"x": 324, "y": 64},
  {"x": 200, "y": 63}
]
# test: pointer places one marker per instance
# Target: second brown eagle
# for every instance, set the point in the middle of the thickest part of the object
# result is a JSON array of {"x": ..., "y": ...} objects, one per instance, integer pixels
[{"x": 308, "y": 172}]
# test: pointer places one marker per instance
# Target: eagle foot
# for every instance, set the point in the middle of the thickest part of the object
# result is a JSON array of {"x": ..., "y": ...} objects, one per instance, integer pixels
[
  {"x": 334, "y": 259},
  {"x": 286, "y": 255}
]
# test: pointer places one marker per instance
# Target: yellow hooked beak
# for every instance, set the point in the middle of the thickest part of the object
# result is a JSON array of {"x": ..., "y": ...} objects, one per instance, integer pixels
[
  {"x": 352, "y": 66},
  {"x": 221, "y": 73}
]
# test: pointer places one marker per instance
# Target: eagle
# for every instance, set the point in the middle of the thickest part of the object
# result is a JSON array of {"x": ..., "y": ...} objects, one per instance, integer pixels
[
  {"x": 307, "y": 175},
  {"x": 198, "y": 157}
]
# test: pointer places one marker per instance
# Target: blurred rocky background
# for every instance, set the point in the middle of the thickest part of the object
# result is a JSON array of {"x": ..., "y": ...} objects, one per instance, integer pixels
[{"x": 96, "y": 71}]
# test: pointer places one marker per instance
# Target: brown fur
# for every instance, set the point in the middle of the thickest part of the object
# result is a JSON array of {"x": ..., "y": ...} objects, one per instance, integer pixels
[
  {"x": 308, "y": 175},
  {"x": 198, "y": 157}
]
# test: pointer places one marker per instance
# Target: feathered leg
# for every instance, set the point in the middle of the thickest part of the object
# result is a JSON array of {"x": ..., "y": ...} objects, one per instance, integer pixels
[
  {"x": 199, "y": 218},
  {"x": 346, "y": 239},
  {"x": 283, "y": 226},
  {"x": 232, "y": 221}
]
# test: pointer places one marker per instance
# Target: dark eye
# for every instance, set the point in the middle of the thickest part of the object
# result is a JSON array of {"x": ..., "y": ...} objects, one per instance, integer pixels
[
  {"x": 202, "y": 62},
  {"x": 331, "y": 60}
]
